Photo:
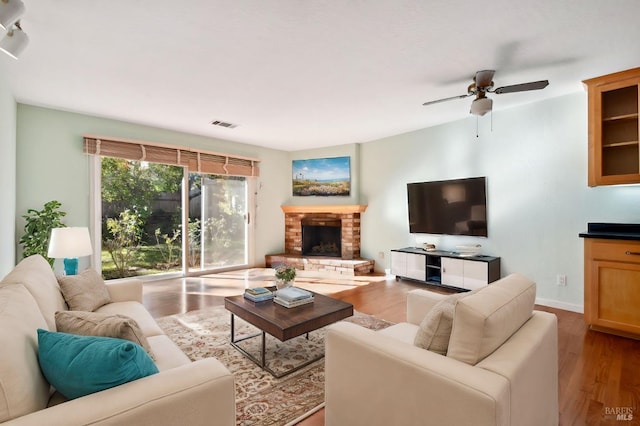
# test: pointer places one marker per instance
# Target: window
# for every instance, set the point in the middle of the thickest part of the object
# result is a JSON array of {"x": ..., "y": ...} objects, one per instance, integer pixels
[{"x": 153, "y": 217}]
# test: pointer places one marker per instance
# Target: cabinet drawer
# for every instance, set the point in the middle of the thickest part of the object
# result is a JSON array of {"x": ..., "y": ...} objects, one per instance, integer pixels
[
  {"x": 615, "y": 250},
  {"x": 614, "y": 296}
]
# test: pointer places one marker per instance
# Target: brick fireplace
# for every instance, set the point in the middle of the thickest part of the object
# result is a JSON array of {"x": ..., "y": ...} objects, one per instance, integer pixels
[
  {"x": 348, "y": 216},
  {"x": 345, "y": 216}
]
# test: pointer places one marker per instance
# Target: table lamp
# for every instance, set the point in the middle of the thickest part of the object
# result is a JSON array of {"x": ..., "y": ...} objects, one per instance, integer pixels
[{"x": 69, "y": 243}]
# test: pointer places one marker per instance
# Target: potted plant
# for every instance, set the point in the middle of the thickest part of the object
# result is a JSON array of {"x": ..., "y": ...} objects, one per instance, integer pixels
[
  {"x": 285, "y": 274},
  {"x": 38, "y": 229}
]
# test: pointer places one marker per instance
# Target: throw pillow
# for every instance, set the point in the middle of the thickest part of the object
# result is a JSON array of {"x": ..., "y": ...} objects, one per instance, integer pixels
[
  {"x": 484, "y": 321},
  {"x": 435, "y": 329},
  {"x": 101, "y": 324},
  {"x": 85, "y": 291},
  {"x": 81, "y": 365}
]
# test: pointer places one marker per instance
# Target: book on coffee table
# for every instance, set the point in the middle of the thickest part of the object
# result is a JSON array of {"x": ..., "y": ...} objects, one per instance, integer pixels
[
  {"x": 258, "y": 291},
  {"x": 292, "y": 303},
  {"x": 257, "y": 294},
  {"x": 291, "y": 294}
]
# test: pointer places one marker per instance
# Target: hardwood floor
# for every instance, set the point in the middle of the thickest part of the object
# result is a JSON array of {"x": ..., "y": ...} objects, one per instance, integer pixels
[{"x": 599, "y": 374}]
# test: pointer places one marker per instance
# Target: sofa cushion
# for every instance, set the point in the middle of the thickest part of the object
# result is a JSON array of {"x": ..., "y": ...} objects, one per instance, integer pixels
[
  {"x": 138, "y": 312},
  {"x": 104, "y": 325},
  {"x": 81, "y": 365},
  {"x": 168, "y": 355},
  {"x": 23, "y": 388},
  {"x": 38, "y": 277},
  {"x": 85, "y": 291},
  {"x": 435, "y": 329},
  {"x": 483, "y": 321}
]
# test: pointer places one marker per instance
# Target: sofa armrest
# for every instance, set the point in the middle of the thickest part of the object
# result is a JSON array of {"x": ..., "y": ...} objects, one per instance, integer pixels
[
  {"x": 529, "y": 358},
  {"x": 199, "y": 393},
  {"x": 125, "y": 290},
  {"x": 373, "y": 379},
  {"x": 419, "y": 302}
]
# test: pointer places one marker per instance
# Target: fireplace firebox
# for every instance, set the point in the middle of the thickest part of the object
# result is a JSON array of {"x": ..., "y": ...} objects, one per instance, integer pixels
[{"x": 322, "y": 240}]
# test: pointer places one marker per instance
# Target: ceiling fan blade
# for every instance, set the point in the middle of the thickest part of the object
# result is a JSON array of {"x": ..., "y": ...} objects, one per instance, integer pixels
[
  {"x": 523, "y": 87},
  {"x": 447, "y": 99},
  {"x": 484, "y": 78}
]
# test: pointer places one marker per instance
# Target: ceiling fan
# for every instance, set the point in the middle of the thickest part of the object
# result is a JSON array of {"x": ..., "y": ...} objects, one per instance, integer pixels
[{"x": 483, "y": 84}]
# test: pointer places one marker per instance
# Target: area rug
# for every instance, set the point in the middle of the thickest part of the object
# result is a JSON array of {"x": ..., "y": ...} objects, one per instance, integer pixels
[{"x": 261, "y": 399}]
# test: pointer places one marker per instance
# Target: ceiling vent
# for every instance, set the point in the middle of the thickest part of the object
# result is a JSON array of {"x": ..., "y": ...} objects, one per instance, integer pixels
[{"x": 224, "y": 124}]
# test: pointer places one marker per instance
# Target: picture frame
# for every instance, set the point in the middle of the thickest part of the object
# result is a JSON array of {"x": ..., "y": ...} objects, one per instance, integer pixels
[{"x": 323, "y": 177}]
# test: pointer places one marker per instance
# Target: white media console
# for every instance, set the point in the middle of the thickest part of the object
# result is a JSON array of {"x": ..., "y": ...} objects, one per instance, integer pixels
[{"x": 445, "y": 268}]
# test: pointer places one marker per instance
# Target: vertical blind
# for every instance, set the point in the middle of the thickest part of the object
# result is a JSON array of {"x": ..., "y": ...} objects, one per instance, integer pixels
[{"x": 195, "y": 160}]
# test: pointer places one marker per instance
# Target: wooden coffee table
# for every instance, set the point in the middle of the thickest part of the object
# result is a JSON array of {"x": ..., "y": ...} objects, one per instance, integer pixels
[{"x": 284, "y": 323}]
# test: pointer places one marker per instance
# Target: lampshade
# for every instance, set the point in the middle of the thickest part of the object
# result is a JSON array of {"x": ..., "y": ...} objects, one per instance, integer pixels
[
  {"x": 481, "y": 106},
  {"x": 69, "y": 243},
  {"x": 14, "y": 42},
  {"x": 10, "y": 12}
]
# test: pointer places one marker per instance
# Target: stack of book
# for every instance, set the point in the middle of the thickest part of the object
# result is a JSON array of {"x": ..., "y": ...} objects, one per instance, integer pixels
[
  {"x": 258, "y": 294},
  {"x": 293, "y": 296}
]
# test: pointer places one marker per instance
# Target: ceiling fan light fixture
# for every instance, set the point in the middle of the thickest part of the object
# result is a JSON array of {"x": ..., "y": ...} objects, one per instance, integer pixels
[
  {"x": 481, "y": 106},
  {"x": 10, "y": 12},
  {"x": 14, "y": 42},
  {"x": 482, "y": 85}
]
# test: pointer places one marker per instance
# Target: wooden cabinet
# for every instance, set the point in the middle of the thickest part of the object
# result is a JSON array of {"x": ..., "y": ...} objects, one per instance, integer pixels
[
  {"x": 614, "y": 154},
  {"x": 612, "y": 285},
  {"x": 445, "y": 268}
]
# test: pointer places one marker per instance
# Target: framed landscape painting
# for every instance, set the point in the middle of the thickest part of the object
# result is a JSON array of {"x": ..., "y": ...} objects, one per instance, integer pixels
[{"x": 325, "y": 177}]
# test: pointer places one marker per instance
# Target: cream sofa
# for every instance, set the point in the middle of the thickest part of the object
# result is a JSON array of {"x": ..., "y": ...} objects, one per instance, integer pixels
[
  {"x": 183, "y": 392},
  {"x": 500, "y": 367}
]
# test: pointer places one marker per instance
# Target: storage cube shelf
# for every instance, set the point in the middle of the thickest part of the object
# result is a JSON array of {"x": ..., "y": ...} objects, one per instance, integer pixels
[{"x": 445, "y": 268}]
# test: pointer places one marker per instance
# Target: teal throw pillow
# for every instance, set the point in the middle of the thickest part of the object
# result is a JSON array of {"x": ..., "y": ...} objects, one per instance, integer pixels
[{"x": 80, "y": 365}]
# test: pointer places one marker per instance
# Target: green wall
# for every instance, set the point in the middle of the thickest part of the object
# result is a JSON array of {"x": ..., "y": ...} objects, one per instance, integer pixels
[
  {"x": 535, "y": 161},
  {"x": 534, "y": 157},
  {"x": 7, "y": 171},
  {"x": 51, "y": 165}
]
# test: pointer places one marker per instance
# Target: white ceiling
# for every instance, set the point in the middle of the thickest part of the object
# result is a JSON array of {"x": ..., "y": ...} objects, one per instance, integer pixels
[{"x": 299, "y": 74}]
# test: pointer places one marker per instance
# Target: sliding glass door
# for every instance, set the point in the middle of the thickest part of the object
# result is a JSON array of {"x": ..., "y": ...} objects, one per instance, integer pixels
[
  {"x": 153, "y": 218},
  {"x": 219, "y": 222}
]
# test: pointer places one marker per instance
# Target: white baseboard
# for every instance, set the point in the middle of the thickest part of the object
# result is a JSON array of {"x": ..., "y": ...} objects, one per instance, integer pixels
[{"x": 560, "y": 305}]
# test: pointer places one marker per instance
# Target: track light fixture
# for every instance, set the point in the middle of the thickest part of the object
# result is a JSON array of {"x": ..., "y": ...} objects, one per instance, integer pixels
[
  {"x": 16, "y": 40},
  {"x": 10, "y": 12}
]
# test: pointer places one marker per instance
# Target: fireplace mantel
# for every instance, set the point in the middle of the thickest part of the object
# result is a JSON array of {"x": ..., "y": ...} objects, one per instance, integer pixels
[{"x": 337, "y": 209}]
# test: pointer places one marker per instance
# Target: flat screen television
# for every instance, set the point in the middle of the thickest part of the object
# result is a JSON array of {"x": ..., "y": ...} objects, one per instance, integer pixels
[{"x": 452, "y": 207}]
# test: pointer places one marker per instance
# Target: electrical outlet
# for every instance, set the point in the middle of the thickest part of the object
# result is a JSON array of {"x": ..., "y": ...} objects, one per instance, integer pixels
[
  {"x": 381, "y": 255},
  {"x": 561, "y": 280}
]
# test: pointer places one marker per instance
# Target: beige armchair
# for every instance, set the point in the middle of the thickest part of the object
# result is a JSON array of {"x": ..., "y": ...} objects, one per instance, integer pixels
[{"x": 500, "y": 366}]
